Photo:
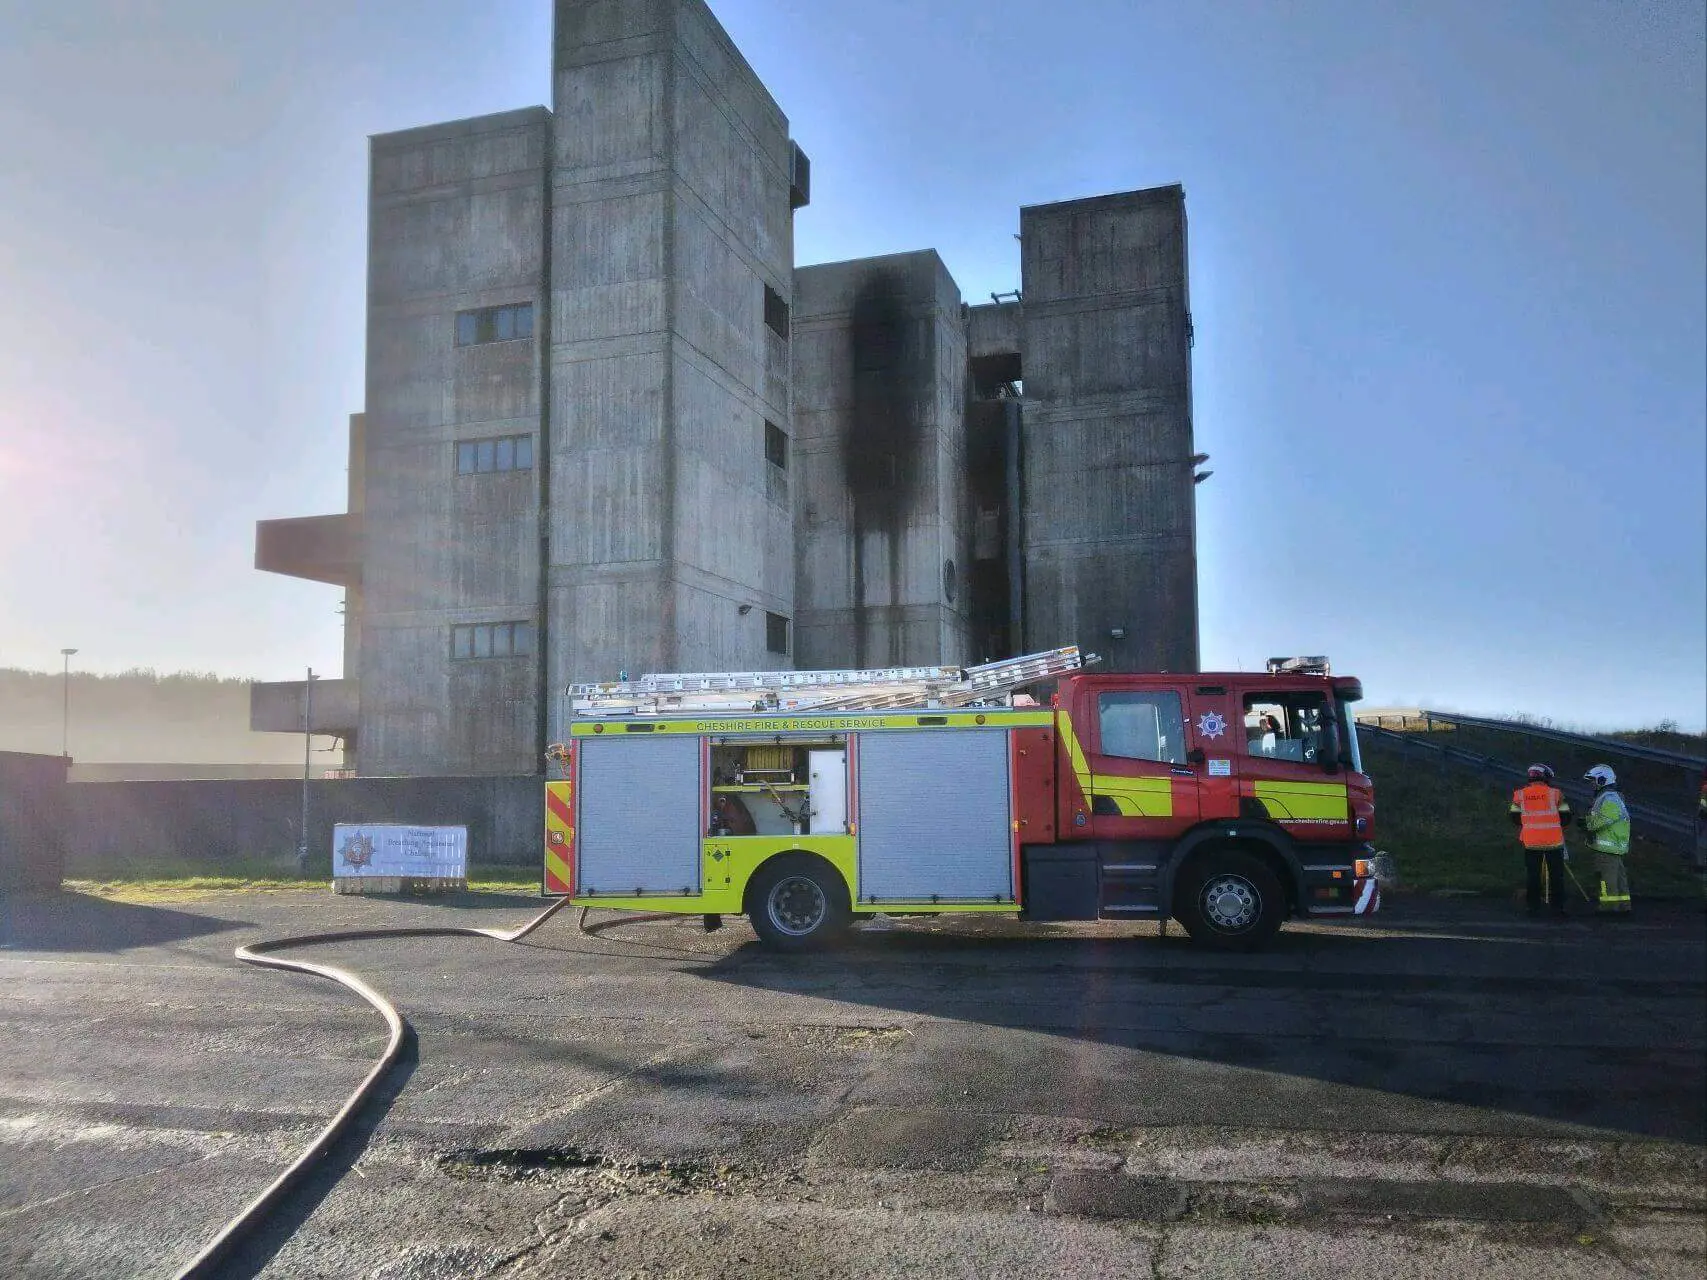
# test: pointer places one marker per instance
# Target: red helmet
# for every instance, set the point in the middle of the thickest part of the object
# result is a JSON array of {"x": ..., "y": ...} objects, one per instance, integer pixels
[{"x": 1541, "y": 772}]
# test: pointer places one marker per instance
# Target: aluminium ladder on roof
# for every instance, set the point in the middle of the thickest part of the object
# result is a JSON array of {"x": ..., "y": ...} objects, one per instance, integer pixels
[{"x": 875, "y": 689}]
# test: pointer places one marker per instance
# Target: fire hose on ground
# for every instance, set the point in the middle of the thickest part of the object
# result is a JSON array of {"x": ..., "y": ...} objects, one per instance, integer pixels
[{"x": 219, "y": 1249}]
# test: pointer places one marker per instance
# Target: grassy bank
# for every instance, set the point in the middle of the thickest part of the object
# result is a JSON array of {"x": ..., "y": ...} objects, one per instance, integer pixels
[{"x": 1450, "y": 831}]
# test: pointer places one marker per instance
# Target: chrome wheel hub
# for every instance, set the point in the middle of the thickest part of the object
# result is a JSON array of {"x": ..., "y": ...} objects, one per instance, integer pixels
[
  {"x": 1231, "y": 903},
  {"x": 796, "y": 905}
]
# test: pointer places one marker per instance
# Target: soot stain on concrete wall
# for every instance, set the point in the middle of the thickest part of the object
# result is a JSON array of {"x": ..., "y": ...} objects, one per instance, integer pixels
[{"x": 883, "y": 441}]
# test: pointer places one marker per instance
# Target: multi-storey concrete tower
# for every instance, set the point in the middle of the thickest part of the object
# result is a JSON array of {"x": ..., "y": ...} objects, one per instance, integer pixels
[
  {"x": 672, "y": 253},
  {"x": 879, "y": 407},
  {"x": 577, "y": 408},
  {"x": 1109, "y": 503},
  {"x": 610, "y": 426}
]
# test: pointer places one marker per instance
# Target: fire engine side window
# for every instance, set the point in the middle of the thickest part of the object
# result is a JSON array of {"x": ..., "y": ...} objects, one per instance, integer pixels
[
  {"x": 1142, "y": 726},
  {"x": 1284, "y": 726}
]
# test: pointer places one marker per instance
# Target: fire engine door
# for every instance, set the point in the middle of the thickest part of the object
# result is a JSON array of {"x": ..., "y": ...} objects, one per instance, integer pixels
[{"x": 1142, "y": 786}]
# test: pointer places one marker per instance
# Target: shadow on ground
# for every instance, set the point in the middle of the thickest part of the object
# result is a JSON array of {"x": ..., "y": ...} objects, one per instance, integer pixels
[
  {"x": 1569, "y": 1024},
  {"x": 85, "y": 922}
]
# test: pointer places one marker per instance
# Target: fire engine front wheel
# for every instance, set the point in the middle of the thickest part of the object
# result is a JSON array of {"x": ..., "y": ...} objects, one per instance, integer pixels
[
  {"x": 1231, "y": 901},
  {"x": 798, "y": 902}
]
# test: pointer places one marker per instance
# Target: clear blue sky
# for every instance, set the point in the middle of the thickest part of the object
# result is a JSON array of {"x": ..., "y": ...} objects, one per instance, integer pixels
[{"x": 1448, "y": 276}]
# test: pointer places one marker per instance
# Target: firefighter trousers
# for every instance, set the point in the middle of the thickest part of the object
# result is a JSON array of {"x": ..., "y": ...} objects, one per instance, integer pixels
[
  {"x": 1614, "y": 884},
  {"x": 1554, "y": 859}
]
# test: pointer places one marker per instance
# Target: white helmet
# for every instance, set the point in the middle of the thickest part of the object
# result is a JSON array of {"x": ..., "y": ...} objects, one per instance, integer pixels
[{"x": 1602, "y": 776}]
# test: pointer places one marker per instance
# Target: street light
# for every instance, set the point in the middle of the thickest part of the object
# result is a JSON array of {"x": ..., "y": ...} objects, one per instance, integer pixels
[
  {"x": 65, "y": 711},
  {"x": 307, "y": 764}
]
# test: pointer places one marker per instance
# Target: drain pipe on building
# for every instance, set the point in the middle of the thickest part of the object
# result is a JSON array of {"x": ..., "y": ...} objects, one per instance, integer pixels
[{"x": 219, "y": 1249}]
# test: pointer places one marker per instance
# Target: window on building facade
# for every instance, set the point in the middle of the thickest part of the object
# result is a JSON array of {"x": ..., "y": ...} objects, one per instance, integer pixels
[
  {"x": 776, "y": 445},
  {"x": 494, "y": 324},
  {"x": 776, "y": 633},
  {"x": 491, "y": 640},
  {"x": 504, "y": 453},
  {"x": 776, "y": 313}
]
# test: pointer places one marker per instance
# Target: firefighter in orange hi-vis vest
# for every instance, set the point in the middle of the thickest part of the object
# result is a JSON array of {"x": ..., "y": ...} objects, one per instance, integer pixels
[{"x": 1541, "y": 813}]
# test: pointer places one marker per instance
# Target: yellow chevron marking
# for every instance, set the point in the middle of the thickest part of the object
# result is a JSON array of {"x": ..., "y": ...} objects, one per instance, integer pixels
[{"x": 1302, "y": 799}]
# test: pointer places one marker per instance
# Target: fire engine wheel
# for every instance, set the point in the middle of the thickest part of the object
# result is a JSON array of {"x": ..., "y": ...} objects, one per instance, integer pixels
[
  {"x": 1231, "y": 901},
  {"x": 798, "y": 902}
]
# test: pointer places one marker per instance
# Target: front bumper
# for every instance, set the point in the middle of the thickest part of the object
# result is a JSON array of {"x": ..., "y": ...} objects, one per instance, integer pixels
[{"x": 1336, "y": 889}]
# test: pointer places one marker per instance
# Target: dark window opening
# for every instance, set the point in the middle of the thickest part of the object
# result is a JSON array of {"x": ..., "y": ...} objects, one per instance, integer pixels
[
  {"x": 491, "y": 640},
  {"x": 494, "y": 324},
  {"x": 776, "y": 633},
  {"x": 776, "y": 446},
  {"x": 776, "y": 313},
  {"x": 997, "y": 377},
  {"x": 799, "y": 178}
]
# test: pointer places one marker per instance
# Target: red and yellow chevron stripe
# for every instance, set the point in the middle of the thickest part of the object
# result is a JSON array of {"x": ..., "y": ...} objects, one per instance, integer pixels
[{"x": 559, "y": 838}]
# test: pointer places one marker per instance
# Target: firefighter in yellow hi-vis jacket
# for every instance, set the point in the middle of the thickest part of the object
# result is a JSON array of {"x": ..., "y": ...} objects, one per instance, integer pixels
[
  {"x": 1608, "y": 826},
  {"x": 1541, "y": 813}
]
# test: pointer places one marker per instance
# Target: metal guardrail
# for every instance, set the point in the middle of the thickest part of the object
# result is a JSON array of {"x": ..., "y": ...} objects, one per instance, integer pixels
[
  {"x": 1608, "y": 745},
  {"x": 1671, "y": 822}
]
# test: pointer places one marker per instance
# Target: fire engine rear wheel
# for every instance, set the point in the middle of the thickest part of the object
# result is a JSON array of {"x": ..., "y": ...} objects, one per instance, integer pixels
[
  {"x": 1231, "y": 901},
  {"x": 798, "y": 903}
]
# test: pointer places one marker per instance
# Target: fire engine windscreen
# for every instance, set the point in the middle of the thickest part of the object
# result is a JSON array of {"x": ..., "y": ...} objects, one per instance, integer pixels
[{"x": 1349, "y": 748}]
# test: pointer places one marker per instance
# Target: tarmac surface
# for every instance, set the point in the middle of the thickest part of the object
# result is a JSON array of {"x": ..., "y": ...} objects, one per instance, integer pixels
[{"x": 1448, "y": 1090}]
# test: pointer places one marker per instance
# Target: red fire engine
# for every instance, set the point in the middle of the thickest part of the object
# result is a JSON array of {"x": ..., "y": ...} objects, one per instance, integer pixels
[{"x": 807, "y": 800}]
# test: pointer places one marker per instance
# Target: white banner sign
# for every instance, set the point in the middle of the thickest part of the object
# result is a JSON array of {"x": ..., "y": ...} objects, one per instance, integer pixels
[{"x": 388, "y": 849}]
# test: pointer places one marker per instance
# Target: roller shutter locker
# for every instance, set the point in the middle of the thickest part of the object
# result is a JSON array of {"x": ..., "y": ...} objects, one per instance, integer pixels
[
  {"x": 933, "y": 816},
  {"x": 640, "y": 815}
]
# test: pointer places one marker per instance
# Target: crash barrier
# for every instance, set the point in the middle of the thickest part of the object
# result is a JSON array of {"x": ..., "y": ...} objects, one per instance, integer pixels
[
  {"x": 32, "y": 822},
  {"x": 202, "y": 825},
  {"x": 1605, "y": 746},
  {"x": 1667, "y": 826}
]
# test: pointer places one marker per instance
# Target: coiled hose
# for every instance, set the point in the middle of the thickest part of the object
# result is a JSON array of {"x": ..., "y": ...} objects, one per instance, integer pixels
[{"x": 234, "y": 1232}]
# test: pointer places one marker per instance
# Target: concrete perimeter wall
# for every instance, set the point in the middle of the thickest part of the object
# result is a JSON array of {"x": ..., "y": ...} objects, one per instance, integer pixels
[
  {"x": 32, "y": 821},
  {"x": 209, "y": 824}
]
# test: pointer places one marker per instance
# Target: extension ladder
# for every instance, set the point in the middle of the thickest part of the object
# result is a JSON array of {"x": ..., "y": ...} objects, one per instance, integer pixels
[{"x": 813, "y": 691}]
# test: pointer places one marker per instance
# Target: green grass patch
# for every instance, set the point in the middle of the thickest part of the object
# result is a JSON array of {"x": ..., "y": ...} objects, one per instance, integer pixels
[
  {"x": 1449, "y": 830},
  {"x": 158, "y": 882}
]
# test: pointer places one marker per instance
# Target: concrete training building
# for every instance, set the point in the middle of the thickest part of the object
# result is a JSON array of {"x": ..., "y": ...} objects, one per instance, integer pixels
[{"x": 611, "y": 426}]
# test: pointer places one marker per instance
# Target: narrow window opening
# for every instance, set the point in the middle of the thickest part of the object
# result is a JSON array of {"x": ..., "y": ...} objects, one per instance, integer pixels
[
  {"x": 776, "y": 313},
  {"x": 776, "y": 446}
]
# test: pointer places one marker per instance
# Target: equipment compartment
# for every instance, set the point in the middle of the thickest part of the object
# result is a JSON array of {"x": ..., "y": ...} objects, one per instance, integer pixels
[{"x": 778, "y": 788}]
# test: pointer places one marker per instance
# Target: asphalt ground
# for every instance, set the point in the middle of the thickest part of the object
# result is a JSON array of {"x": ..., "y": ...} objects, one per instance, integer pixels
[{"x": 1448, "y": 1090}]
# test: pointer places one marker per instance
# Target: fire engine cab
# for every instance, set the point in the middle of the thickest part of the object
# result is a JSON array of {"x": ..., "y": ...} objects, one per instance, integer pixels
[{"x": 806, "y": 800}]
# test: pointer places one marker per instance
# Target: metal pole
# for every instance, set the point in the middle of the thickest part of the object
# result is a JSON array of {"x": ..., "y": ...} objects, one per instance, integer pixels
[
  {"x": 65, "y": 709},
  {"x": 307, "y": 754}
]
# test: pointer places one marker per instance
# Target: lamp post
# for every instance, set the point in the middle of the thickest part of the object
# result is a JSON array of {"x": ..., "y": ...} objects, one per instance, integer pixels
[
  {"x": 65, "y": 708},
  {"x": 307, "y": 764}
]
